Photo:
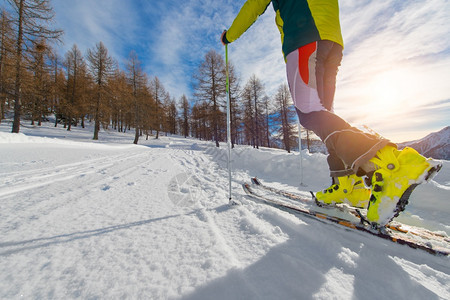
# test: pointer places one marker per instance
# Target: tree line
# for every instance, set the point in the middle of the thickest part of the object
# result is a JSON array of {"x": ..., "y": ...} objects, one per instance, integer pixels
[
  {"x": 256, "y": 119},
  {"x": 36, "y": 83}
]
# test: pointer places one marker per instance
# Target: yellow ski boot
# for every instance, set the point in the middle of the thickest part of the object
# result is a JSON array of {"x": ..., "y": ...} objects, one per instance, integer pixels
[
  {"x": 349, "y": 189},
  {"x": 398, "y": 173}
]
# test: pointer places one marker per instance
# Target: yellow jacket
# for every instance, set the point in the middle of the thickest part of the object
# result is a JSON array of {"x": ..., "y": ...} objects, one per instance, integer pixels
[{"x": 300, "y": 22}]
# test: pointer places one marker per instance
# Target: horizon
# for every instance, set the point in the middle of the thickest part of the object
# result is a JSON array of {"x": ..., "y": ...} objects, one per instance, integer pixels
[
  {"x": 90, "y": 125},
  {"x": 393, "y": 77}
]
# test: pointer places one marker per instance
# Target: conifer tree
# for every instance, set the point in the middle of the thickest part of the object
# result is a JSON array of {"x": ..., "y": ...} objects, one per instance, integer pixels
[
  {"x": 266, "y": 107},
  {"x": 286, "y": 117},
  {"x": 76, "y": 84},
  {"x": 171, "y": 116},
  {"x": 137, "y": 81},
  {"x": 121, "y": 103},
  {"x": 195, "y": 121},
  {"x": 6, "y": 72},
  {"x": 158, "y": 93},
  {"x": 40, "y": 87},
  {"x": 253, "y": 95},
  {"x": 101, "y": 66},
  {"x": 58, "y": 83},
  {"x": 165, "y": 122},
  {"x": 235, "y": 91},
  {"x": 30, "y": 22},
  {"x": 210, "y": 87},
  {"x": 185, "y": 115}
]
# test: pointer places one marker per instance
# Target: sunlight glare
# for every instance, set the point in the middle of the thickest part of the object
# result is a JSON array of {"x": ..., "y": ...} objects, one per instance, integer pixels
[{"x": 385, "y": 90}]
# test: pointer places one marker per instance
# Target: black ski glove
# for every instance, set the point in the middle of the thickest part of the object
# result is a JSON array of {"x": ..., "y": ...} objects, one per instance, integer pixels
[{"x": 223, "y": 38}]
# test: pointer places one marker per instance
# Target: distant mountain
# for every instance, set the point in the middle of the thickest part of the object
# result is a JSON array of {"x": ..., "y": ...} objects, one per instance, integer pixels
[{"x": 436, "y": 145}]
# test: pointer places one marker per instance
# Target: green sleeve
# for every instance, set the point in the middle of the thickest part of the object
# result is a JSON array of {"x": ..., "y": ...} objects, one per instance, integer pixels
[{"x": 248, "y": 14}]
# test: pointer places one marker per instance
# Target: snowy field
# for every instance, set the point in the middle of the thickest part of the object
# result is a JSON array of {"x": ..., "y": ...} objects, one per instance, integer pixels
[{"x": 111, "y": 220}]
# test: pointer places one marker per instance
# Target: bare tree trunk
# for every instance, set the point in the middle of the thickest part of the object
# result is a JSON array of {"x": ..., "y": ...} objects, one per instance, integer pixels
[
  {"x": 97, "y": 118},
  {"x": 2, "y": 65},
  {"x": 17, "y": 89}
]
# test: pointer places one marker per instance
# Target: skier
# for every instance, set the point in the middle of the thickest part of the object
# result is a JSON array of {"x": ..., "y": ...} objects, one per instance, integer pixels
[{"x": 312, "y": 46}]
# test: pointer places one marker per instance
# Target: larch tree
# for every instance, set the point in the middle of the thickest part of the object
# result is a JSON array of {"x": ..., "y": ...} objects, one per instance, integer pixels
[
  {"x": 235, "y": 92},
  {"x": 58, "y": 85},
  {"x": 267, "y": 108},
  {"x": 76, "y": 84},
  {"x": 165, "y": 114},
  {"x": 286, "y": 117},
  {"x": 210, "y": 87},
  {"x": 158, "y": 93},
  {"x": 101, "y": 67},
  {"x": 31, "y": 21},
  {"x": 253, "y": 94},
  {"x": 121, "y": 109},
  {"x": 185, "y": 115},
  {"x": 137, "y": 81},
  {"x": 6, "y": 59},
  {"x": 171, "y": 115},
  {"x": 195, "y": 121},
  {"x": 199, "y": 121},
  {"x": 40, "y": 87}
]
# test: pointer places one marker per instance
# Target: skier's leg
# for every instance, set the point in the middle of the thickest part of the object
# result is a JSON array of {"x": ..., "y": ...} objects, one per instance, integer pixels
[
  {"x": 350, "y": 145},
  {"x": 396, "y": 173},
  {"x": 312, "y": 80},
  {"x": 328, "y": 60},
  {"x": 311, "y": 75}
]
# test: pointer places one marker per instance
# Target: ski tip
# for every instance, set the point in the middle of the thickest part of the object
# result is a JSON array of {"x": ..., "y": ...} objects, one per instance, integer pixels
[
  {"x": 433, "y": 171},
  {"x": 313, "y": 195},
  {"x": 246, "y": 188},
  {"x": 256, "y": 181}
]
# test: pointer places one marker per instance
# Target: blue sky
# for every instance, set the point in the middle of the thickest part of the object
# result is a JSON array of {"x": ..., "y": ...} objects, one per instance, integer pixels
[{"x": 394, "y": 76}]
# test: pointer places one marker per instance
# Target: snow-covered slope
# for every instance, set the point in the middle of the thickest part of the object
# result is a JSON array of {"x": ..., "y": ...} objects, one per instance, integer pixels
[{"x": 108, "y": 220}]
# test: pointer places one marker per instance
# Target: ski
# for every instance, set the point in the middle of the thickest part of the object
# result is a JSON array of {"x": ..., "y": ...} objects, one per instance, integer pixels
[
  {"x": 431, "y": 244},
  {"x": 393, "y": 225},
  {"x": 308, "y": 200}
]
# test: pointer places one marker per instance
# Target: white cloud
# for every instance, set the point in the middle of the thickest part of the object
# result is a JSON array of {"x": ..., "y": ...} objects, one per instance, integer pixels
[
  {"x": 86, "y": 23},
  {"x": 180, "y": 40}
]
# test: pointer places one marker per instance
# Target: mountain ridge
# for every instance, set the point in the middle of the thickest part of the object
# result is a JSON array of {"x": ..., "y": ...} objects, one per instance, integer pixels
[{"x": 435, "y": 145}]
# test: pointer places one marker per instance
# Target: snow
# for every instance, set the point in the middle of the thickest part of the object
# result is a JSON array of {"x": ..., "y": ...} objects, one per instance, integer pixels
[{"x": 108, "y": 219}]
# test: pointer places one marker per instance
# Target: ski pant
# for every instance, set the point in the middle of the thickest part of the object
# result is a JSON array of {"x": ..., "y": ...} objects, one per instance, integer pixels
[{"x": 311, "y": 73}]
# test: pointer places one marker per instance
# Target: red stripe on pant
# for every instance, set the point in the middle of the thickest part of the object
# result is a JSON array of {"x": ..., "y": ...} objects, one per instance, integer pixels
[{"x": 304, "y": 54}]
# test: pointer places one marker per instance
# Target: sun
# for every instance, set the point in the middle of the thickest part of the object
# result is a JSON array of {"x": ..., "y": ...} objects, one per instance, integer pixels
[
  {"x": 386, "y": 91},
  {"x": 382, "y": 99}
]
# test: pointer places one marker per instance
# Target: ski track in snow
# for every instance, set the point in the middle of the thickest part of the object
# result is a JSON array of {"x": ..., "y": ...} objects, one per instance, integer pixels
[
  {"x": 61, "y": 204},
  {"x": 81, "y": 220}
]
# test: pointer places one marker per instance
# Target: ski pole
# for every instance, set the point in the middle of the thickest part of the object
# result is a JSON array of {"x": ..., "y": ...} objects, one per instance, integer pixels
[
  {"x": 300, "y": 151},
  {"x": 228, "y": 122}
]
